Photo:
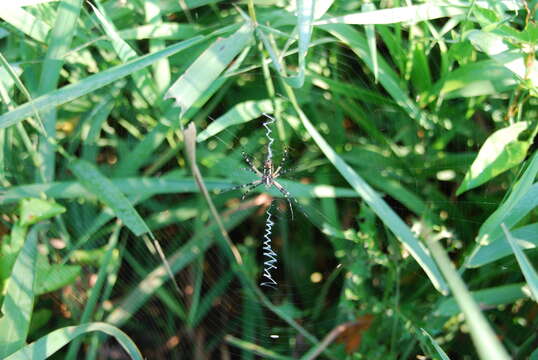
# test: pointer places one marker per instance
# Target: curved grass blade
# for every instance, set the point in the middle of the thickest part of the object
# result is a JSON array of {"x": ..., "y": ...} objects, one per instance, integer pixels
[
  {"x": 240, "y": 113},
  {"x": 438, "y": 348},
  {"x": 305, "y": 15},
  {"x": 19, "y": 299},
  {"x": 486, "y": 298},
  {"x": 109, "y": 194},
  {"x": 485, "y": 340},
  {"x": 499, "y": 247},
  {"x": 254, "y": 348},
  {"x": 59, "y": 43},
  {"x": 25, "y": 22},
  {"x": 491, "y": 227},
  {"x": 55, "y": 340},
  {"x": 524, "y": 264},
  {"x": 501, "y": 151},
  {"x": 91, "y": 83},
  {"x": 376, "y": 203},
  {"x": 207, "y": 67},
  {"x": 141, "y": 78}
]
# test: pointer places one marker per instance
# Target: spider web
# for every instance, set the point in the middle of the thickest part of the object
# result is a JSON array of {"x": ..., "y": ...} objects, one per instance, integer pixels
[{"x": 214, "y": 316}]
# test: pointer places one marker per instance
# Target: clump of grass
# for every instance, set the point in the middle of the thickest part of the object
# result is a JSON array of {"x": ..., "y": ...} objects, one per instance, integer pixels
[{"x": 422, "y": 115}]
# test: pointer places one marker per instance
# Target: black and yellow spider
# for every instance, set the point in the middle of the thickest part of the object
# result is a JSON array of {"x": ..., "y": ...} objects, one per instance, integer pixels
[{"x": 267, "y": 177}]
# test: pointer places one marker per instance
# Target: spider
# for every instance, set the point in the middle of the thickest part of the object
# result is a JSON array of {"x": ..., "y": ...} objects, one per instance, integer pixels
[{"x": 267, "y": 177}]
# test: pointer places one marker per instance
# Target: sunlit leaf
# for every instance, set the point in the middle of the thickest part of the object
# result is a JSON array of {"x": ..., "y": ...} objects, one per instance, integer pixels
[{"x": 501, "y": 151}]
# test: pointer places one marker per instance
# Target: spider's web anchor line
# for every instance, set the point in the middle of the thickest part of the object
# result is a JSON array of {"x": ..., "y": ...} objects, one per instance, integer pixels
[{"x": 268, "y": 252}]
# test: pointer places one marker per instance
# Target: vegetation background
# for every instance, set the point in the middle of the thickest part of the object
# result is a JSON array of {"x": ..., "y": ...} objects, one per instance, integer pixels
[{"x": 409, "y": 128}]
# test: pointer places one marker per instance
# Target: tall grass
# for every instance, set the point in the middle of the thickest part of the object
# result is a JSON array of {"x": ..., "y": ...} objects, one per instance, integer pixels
[{"x": 410, "y": 127}]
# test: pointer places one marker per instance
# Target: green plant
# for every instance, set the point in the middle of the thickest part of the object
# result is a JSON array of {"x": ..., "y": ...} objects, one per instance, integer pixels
[{"x": 408, "y": 124}]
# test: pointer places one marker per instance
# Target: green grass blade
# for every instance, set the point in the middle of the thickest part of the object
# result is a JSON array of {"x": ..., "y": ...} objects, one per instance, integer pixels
[
  {"x": 91, "y": 83},
  {"x": 59, "y": 43},
  {"x": 141, "y": 78},
  {"x": 376, "y": 203},
  {"x": 499, "y": 247},
  {"x": 484, "y": 339},
  {"x": 501, "y": 151},
  {"x": 19, "y": 299},
  {"x": 161, "y": 69},
  {"x": 487, "y": 298},
  {"x": 305, "y": 15},
  {"x": 165, "y": 31},
  {"x": 484, "y": 77},
  {"x": 524, "y": 264},
  {"x": 438, "y": 348},
  {"x": 207, "y": 67},
  {"x": 254, "y": 348},
  {"x": 153, "y": 186},
  {"x": 25, "y": 22},
  {"x": 491, "y": 227},
  {"x": 387, "y": 77},
  {"x": 370, "y": 37},
  {"x": 49, "y": 344},
  {"x": 412, "y": 14},
  {"x": 109, "y": 194},
  {"x": 239, "y": 114}
]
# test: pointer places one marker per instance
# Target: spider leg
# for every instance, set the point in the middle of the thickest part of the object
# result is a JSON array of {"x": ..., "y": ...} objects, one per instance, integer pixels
[
  {"x": 287, "y": 195},
  {"x": 248, "y": 160},
  {"x": 252, "y": 186},
  {"x": 280, "y": 169},
  {"x": 252, "y": 183}
]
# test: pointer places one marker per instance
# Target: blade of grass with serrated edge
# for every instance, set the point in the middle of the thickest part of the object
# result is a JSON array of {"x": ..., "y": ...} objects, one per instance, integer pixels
[
  {"x": 438, "y": 348},
  {"x": 49, "y": 344},
  {"x": 486, "y": 342},
  {"x": 19, "y": 298},
  {"x": 240, "y": 113},
  {"x": 524, "y": 264},
  {"x": 387, "y": 76},
  {"x": 141, "y": 78},
  {"x": 91, "y": 83},
  {"x": 207, "y": 67},
  {"x": 305, "y": 15},
  {"x": 59, "y": 43},
  {"x": 376, "y": 203}
]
